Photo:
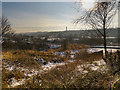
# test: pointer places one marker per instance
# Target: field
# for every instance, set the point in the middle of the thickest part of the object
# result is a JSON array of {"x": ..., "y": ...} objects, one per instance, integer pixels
[{"x": 45, "y": 69}]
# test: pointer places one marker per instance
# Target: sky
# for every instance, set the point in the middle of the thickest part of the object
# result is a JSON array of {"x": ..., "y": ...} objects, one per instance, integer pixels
[{"x": 42, "y": 16}]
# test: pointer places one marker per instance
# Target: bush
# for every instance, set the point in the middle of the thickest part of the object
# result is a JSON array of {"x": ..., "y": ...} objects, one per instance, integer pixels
[
  {"x": 113, "y": 62},
  {"x": 67, "y": 77}
]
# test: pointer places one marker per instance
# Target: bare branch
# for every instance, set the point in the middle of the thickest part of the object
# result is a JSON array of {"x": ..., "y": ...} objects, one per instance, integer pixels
[{"x": 6, "y": 27}]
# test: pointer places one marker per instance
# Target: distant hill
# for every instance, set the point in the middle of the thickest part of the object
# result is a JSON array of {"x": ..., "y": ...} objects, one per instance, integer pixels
[{"x": 113, "y": 32}]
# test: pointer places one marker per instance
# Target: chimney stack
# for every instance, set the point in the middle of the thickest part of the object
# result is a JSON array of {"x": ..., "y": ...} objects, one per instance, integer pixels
[{"x": 66, "y": 28}]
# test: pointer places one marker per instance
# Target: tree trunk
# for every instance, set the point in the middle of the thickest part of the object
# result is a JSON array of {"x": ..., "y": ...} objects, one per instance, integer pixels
[
  {"x": 105, "y": 48},
  {"x": 105, "y": 41}
]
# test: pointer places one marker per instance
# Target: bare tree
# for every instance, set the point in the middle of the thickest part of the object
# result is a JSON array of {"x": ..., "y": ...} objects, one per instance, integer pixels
[
  {"x": 100, "y": 17},
  {"x": 5, "y": 27}
]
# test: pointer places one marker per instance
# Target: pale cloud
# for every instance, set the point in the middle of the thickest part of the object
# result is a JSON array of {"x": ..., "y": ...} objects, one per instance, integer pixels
[{"x": 38, "y": 22}]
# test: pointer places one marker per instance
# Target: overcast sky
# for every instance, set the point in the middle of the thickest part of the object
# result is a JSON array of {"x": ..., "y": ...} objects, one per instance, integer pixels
[{"x": 42, "y": 16}]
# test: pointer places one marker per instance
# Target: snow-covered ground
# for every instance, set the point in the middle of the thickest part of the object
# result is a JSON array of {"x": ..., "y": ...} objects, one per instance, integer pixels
[
  {"x": 95, "y": 65},
  {"x": 16, "y": 82},
  {"x": 92, "y": 50},
  {"x": 51, "y": 65},
  {"x": 27, "y": 72}
]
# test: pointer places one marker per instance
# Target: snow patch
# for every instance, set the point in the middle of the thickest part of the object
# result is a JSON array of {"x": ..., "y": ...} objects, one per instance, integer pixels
[
  {"x": 100, "y": 62},
  {"x": 92, "y": 50},
  {"x": 95, "y": 68},
  {"x": 51, "y": 65},
  {"x": 100, "y": 66},
  {"x": 16, "y": 82}
]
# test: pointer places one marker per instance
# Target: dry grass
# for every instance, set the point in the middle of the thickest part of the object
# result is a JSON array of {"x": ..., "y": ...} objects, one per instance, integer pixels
[
  {"x": 7, "y": 75},
  {"x": 19, "y": 58},
  {"x": 26, "y": 58},
  {"x": 69, "y": 47},
  {"x": 86, "y": 57},
  {"x": 65, "y": 76}
]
